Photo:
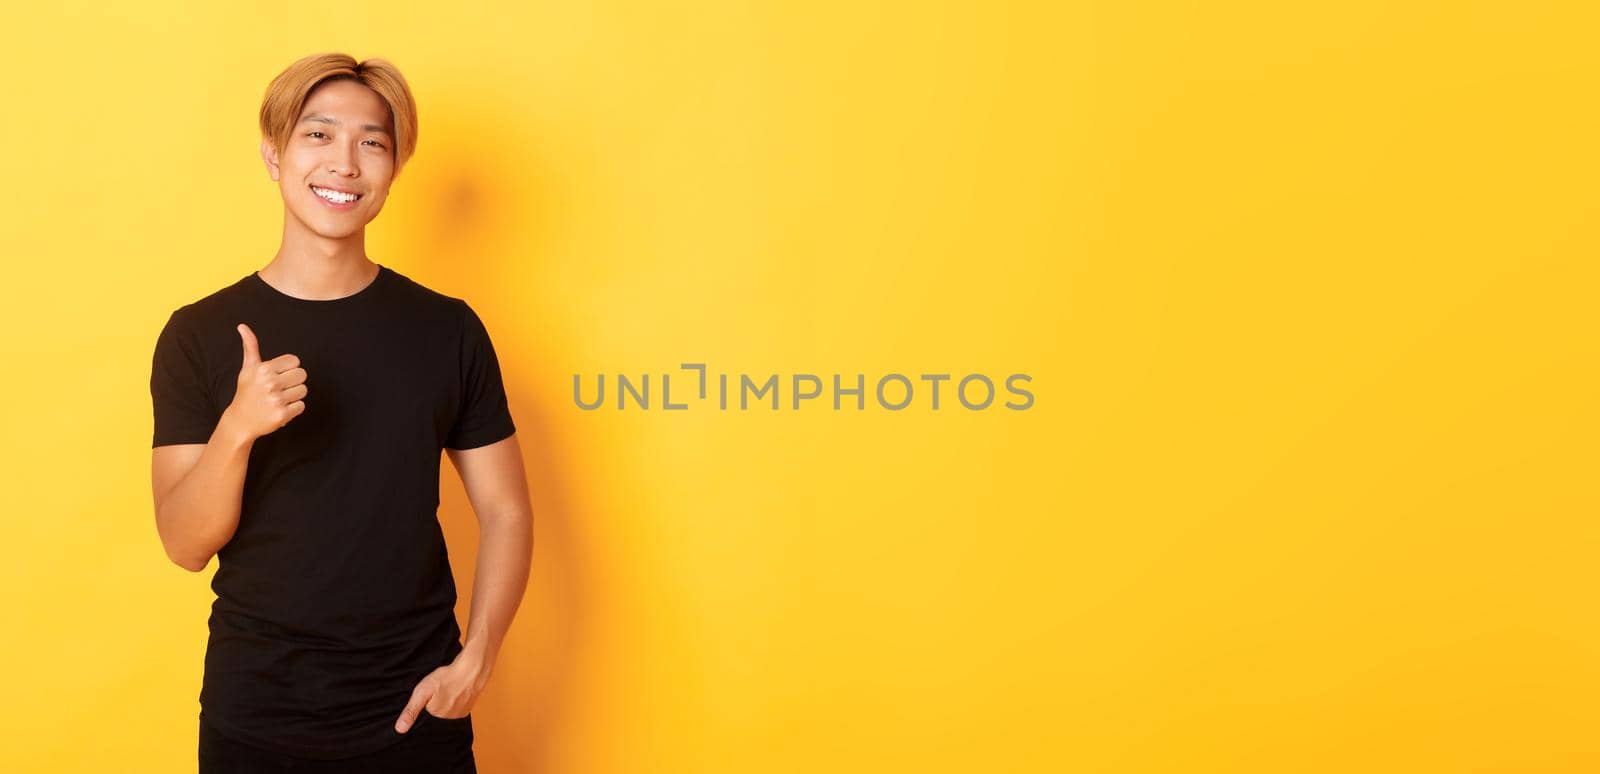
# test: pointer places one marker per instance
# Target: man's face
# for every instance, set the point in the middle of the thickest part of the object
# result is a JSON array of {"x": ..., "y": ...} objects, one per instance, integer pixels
[{"x": 344, "y": 142}]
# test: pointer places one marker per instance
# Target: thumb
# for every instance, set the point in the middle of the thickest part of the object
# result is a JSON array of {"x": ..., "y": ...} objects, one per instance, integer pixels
[
  {"x": 419, "y": 699},
  {"x": 252, "y": 353}
]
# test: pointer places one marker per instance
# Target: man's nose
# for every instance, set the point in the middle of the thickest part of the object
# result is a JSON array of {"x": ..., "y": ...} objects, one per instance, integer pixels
[{"x": 344, "y": 164}]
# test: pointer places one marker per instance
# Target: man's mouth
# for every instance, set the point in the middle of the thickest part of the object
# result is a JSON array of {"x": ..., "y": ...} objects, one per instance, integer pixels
[{"x": 334, "y": 197}]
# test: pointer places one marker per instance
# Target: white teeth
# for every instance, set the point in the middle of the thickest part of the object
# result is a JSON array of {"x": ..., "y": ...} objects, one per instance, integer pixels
[{"x": 333, "y": 196}]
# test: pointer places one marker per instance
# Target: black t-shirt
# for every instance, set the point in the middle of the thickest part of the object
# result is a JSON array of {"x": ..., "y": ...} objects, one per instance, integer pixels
[{"x": 334, "y": 596}]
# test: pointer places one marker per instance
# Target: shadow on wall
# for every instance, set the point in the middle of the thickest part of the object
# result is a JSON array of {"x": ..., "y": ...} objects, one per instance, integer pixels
[{"x": 469, "y": 222}]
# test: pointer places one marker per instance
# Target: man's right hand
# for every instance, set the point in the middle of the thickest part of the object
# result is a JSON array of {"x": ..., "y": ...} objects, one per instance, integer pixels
[{"x": 269, "y": 394}]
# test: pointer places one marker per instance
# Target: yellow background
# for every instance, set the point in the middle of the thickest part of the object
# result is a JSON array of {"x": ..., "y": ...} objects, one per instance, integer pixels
[{"x": 1306, "y": 294}]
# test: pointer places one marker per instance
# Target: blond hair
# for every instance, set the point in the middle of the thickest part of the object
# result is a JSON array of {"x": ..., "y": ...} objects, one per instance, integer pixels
[{"x": 286, "y": 97}]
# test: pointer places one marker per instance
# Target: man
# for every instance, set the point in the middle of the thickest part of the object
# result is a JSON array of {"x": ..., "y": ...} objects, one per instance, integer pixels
[{"x": 300, "y": 415}]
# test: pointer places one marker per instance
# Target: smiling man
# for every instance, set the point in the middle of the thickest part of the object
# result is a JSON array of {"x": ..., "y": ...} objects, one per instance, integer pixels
[{"x": 300, "y": 416}]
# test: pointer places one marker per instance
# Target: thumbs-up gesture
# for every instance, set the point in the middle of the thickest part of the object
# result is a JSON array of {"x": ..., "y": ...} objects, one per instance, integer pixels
[{"x": 269, "y": 394}]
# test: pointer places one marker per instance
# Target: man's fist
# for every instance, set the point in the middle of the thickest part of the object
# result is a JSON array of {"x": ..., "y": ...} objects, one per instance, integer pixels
[{"x": 269, "y": 394}]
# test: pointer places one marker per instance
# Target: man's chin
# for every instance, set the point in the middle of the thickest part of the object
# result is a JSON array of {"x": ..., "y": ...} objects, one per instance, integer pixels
[{"x": 323, "y": 229}]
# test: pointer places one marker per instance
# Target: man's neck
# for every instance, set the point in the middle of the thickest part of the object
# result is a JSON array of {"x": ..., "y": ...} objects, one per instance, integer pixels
[
  {"x": 314, "y": 267},
  {"x": 319, "y": 277}
]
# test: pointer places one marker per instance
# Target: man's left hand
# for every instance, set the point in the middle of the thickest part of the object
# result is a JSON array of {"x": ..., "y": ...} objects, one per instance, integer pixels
[{"x": 447, "y": 692}]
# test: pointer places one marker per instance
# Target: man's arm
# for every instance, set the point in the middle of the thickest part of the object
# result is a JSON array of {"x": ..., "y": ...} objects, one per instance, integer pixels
[
  {"x": 498, "y": 490},
  {"x": 197, "y": 488}
]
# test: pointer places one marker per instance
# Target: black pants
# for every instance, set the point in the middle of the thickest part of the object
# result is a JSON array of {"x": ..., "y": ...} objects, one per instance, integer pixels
[{"x": 432, "y": 746}]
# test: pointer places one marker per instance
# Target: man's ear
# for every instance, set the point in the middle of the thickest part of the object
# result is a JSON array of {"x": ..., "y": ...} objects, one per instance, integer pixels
[{"x": 269, "y": 154}]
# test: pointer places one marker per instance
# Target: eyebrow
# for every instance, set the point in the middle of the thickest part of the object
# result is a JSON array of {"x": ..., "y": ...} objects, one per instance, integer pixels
[{"x": 331, "y": 120}]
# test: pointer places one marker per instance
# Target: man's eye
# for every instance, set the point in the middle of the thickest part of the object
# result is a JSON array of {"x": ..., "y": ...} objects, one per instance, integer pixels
[
  {"x": 310, "y": 134},
  {"x": 375, "y": 143}
]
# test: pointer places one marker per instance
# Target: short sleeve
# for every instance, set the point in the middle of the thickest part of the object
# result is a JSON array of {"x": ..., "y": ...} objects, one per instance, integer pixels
[
  {"x": 485, "y": 414},
  {"x": 182, "y": 406}
]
